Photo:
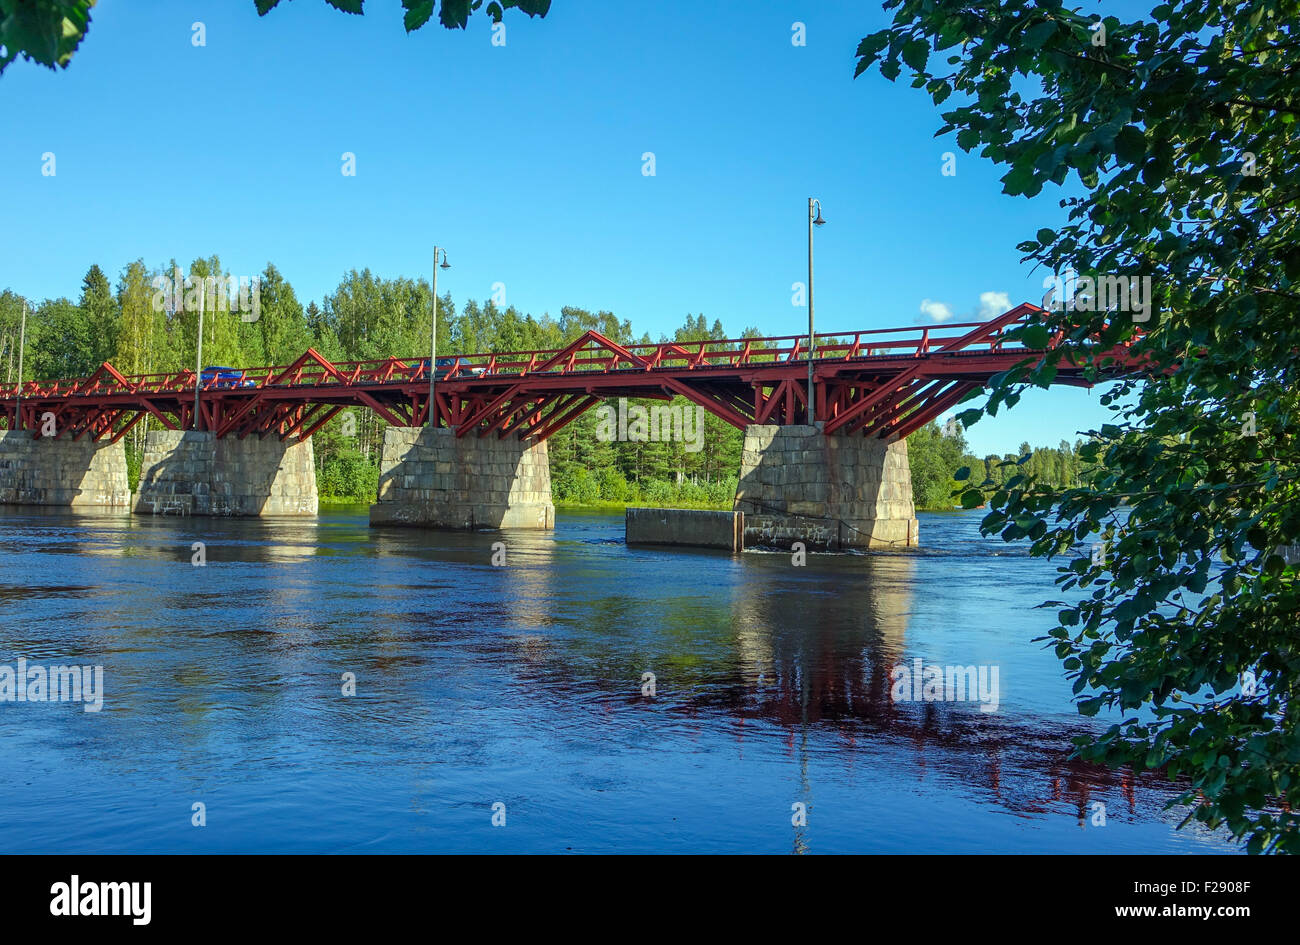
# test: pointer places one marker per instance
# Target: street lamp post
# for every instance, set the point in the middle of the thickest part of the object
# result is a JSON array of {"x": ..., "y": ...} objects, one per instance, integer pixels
[
  {"x": 813, "y": 220},
  {"x": 18, "y": 398},
  {"x": 433, "y": 332},
  {"x": 198, "y": 360}
]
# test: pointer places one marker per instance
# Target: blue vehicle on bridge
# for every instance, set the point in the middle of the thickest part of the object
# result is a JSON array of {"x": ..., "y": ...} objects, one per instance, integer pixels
[
  {"x": 225, "y": 378},
  {"x": 444, "y": 367}
]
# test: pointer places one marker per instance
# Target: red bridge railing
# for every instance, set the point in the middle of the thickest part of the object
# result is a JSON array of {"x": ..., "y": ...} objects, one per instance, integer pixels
[
  {"x": 882, "y": 382},
  {"x": 606, "y": 357}
]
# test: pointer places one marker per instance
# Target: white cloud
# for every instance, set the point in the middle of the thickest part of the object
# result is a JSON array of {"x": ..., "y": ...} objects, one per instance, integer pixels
[
  {"x": 936, "y": 311},
  {"x": 993, "y": 304}
]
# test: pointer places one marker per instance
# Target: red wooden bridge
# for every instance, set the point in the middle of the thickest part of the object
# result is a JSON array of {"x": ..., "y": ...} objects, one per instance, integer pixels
[{"x": 882, "y": 383}]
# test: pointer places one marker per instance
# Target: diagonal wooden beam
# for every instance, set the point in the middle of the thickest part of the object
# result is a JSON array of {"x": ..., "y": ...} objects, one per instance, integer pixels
[
  {"x": 147, "y": 404},
  {"x": 771, "y": 402},
  {"x": 576, "y": 346},
  {"x": 233, "y": 420},
  {"x": 326, "y": 418},
  {"x": 379, "y": 408},
  {"x": 531, "y": 407},
  {"x": 938, "y": 405},
  {"x": 891, "y": 386},
  {"x": 710, "y": 404},
  {"x": 989, "y": 328},
  {"x": 303, "y": 416},
  {"x": 126, "y": 428},
  {"x": 554, "y": 423},
  {"x": 308, "y": 356},
  {"x": 912, "y": 398}
]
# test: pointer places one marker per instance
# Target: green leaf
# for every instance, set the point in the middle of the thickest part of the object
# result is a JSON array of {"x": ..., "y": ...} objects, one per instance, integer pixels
[
  {"x": 418, "y": 12},
  {"x": 915, "y": 53},
  {"x": 1038, "y": 34},
  {"x": 1035, "y": 336},
  {"x": 1130, "y": 145}
]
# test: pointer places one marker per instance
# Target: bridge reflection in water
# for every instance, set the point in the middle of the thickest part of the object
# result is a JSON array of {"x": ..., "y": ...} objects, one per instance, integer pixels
[{"x": 774, "y": 650}]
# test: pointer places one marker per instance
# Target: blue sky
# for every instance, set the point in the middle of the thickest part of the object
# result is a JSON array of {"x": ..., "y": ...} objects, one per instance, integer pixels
[{"x": 525, "y": 161}]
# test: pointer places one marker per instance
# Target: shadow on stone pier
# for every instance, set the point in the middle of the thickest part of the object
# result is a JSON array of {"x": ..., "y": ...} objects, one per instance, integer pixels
[
  {"x": 80, "y": 474},
  {"x": 190, "y": 472},
  {"x": 434, "y": 479}
]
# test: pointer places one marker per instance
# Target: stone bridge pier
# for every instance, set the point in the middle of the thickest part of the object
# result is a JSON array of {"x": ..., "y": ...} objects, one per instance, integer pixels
[
  {"x": 80, "y": 474},
  {"x": 430, "y": 477},
  {"x": 189, "y": 472},
  {"x": 830, "y": 492}
]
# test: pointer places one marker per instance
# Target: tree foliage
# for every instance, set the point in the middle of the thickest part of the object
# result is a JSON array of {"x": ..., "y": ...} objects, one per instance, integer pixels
[
  {"x": 50, "y": 31},
  {"x": 934, "y": 460},
  {"x": 43, "y": 31},
  {"x": 1175, "y": 138},
  {"x": 453, "y": 14}
]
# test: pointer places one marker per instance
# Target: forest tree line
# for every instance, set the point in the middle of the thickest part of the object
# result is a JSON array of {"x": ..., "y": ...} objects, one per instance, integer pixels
[{"x": 368, "y": 317}]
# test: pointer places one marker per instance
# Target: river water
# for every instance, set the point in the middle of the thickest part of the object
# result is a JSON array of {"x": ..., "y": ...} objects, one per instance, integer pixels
[{"x": 514, "y": 692}]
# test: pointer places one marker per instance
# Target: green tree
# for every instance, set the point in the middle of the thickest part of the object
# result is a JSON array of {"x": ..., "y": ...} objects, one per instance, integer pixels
[
  {"x": 59, "y": 341},
  {"x": 100, "y": 314},
  {"x": 135, "y": 296},
  {"x": 933, "y": 460},
  {"x": 1178, "y": 137},
  {"x": 11, "y": 313},
  {"x": 280, "y": 333},
  {"x": 141, "y": 336},
  {"x": 575, "y": 321}
]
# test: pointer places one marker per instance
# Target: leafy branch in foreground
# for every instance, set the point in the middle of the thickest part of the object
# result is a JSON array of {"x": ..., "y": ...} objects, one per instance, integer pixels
[
  {"x": 453, "y": 14},
  {"x": 50, "y": 31},
  {"x": 44, "y": 31},
  {"x": 1175, "y": 139}
]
